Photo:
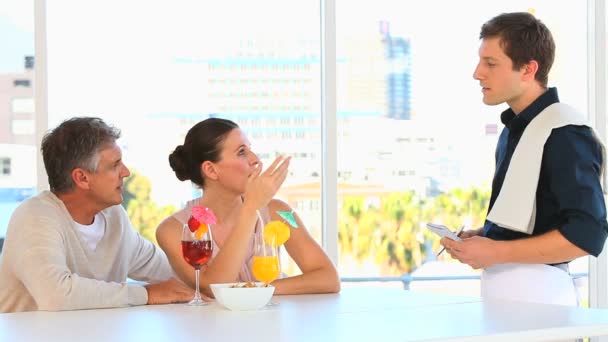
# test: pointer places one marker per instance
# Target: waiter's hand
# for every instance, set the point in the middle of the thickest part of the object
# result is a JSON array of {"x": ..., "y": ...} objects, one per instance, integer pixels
[
  {"x": 476, "y": 251},
  {"x": 470, "y": 233}
]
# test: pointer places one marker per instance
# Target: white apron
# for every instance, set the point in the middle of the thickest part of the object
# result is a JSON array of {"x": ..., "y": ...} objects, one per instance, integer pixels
[{"x": 535, "y": 283}]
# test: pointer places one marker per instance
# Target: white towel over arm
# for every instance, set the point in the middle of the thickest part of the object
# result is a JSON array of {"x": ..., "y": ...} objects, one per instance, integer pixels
[{"x": 515, "y": 206}]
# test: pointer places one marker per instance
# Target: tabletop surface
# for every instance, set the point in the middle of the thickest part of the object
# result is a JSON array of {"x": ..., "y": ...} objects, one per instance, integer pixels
[{"x": 355, "y": 314}]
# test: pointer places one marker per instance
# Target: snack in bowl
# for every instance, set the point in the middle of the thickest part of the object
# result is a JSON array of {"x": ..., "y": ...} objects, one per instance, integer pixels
[
  {"x": 247, "y": 284},
  {"x": 242, "y": 296}
]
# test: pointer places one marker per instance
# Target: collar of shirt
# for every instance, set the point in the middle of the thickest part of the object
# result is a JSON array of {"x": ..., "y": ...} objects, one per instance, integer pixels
[{"x": 517, "y": 123}]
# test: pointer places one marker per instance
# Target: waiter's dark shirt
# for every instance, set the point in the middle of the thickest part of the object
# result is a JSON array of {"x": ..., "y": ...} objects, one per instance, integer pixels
[{"x": 569, "y": 195}]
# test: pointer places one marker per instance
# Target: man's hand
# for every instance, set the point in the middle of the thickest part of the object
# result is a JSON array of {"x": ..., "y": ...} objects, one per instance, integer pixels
[
  {"x": 470, "y": 233},
  {"x": 170, "y": 291},
  {"x": 476, "y": 251}
]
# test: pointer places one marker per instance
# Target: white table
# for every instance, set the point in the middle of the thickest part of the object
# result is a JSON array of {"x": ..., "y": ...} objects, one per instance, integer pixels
[{"x": 352, "y": 315}]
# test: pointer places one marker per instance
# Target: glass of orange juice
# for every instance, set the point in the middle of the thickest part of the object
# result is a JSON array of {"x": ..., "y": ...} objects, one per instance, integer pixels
[{"x": 265, "y": 267}]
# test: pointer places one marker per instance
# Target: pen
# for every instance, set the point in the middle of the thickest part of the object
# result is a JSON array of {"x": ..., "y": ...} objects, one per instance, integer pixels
[{"x": 457, "y": 233}]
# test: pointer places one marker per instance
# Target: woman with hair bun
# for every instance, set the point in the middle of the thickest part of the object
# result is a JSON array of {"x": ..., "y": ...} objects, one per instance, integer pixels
[{"x": 216, "y": 156}]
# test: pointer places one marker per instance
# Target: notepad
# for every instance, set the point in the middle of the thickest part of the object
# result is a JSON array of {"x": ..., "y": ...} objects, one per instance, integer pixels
[{"x": 443, "y": 231}]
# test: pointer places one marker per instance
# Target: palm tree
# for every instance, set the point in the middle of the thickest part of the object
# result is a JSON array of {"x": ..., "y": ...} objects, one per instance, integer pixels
[{"x": 145, "y": 214}]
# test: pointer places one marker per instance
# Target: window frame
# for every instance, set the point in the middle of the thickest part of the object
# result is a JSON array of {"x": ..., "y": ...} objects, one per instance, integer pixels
[
  {"x": 597, "y": 76},
  {"x": 597, "y": 18}
]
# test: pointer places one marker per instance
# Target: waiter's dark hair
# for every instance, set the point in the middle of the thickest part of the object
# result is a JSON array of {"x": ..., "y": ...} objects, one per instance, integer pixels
[{"x": 523, "y": 38}]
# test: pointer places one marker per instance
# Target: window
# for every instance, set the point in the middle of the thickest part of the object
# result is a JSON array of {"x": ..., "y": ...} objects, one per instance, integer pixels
[
  {"x": 23, "y": 105},
  {"x": 191, "y": 61},
  {"x": 23, "y": 127},
  {"x": 17, "y": 122},
  {"x": 22, "y": 83},
  {"x": 400, "y": 75},
  {"x": 387, "y": 81},
  {"x": 5, "y": 166}
]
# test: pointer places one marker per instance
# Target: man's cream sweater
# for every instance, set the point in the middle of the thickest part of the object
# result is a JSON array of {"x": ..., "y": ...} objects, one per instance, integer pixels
[{"x": 45, "y": 265}]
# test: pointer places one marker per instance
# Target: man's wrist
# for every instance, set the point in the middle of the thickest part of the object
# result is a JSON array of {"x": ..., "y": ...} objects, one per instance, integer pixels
[
  {"x": 138, "y": 294},
  {"x": 503, "y": 252}
]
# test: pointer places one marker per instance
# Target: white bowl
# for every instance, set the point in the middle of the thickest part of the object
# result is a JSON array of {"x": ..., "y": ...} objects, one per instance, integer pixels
[{"x": 242, "y": 298}]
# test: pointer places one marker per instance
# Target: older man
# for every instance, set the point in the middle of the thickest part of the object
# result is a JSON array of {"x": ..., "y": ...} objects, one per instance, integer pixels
[{"x": 73, "y": 247}]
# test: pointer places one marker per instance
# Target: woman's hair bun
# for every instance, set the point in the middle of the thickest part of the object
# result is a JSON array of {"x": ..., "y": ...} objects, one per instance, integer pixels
[{"x": 179, "y": 162}]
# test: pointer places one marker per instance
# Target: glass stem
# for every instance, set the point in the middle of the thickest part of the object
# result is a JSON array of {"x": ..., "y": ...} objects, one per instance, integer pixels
[{"x": 197, "y": 293}]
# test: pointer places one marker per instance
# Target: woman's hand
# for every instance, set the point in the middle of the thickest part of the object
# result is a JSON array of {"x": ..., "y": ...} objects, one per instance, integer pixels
[{"x": 262, "y": 186}]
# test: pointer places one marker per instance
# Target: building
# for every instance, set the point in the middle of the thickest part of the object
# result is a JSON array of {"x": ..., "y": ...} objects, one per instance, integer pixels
[
  {"x": 17, "y": 106},
  {"x": 271, "y": 88},
  {"x": 398, "y": 75},
  {"x": 17, "y": 179}
]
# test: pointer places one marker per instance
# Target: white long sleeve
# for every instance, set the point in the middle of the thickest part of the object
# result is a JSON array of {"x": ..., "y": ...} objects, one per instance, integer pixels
[{"x": 47, "y": 266}]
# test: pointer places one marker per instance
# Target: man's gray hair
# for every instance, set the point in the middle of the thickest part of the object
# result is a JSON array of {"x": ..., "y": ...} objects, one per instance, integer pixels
[{"x": 75, "y": 143}]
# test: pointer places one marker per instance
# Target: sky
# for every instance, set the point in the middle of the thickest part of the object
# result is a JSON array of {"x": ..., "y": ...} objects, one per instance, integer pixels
[
  {"x": 118, "y": 58},
  {"x": 166, "y": 31},
  {"x": 16, "y": 33}
]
